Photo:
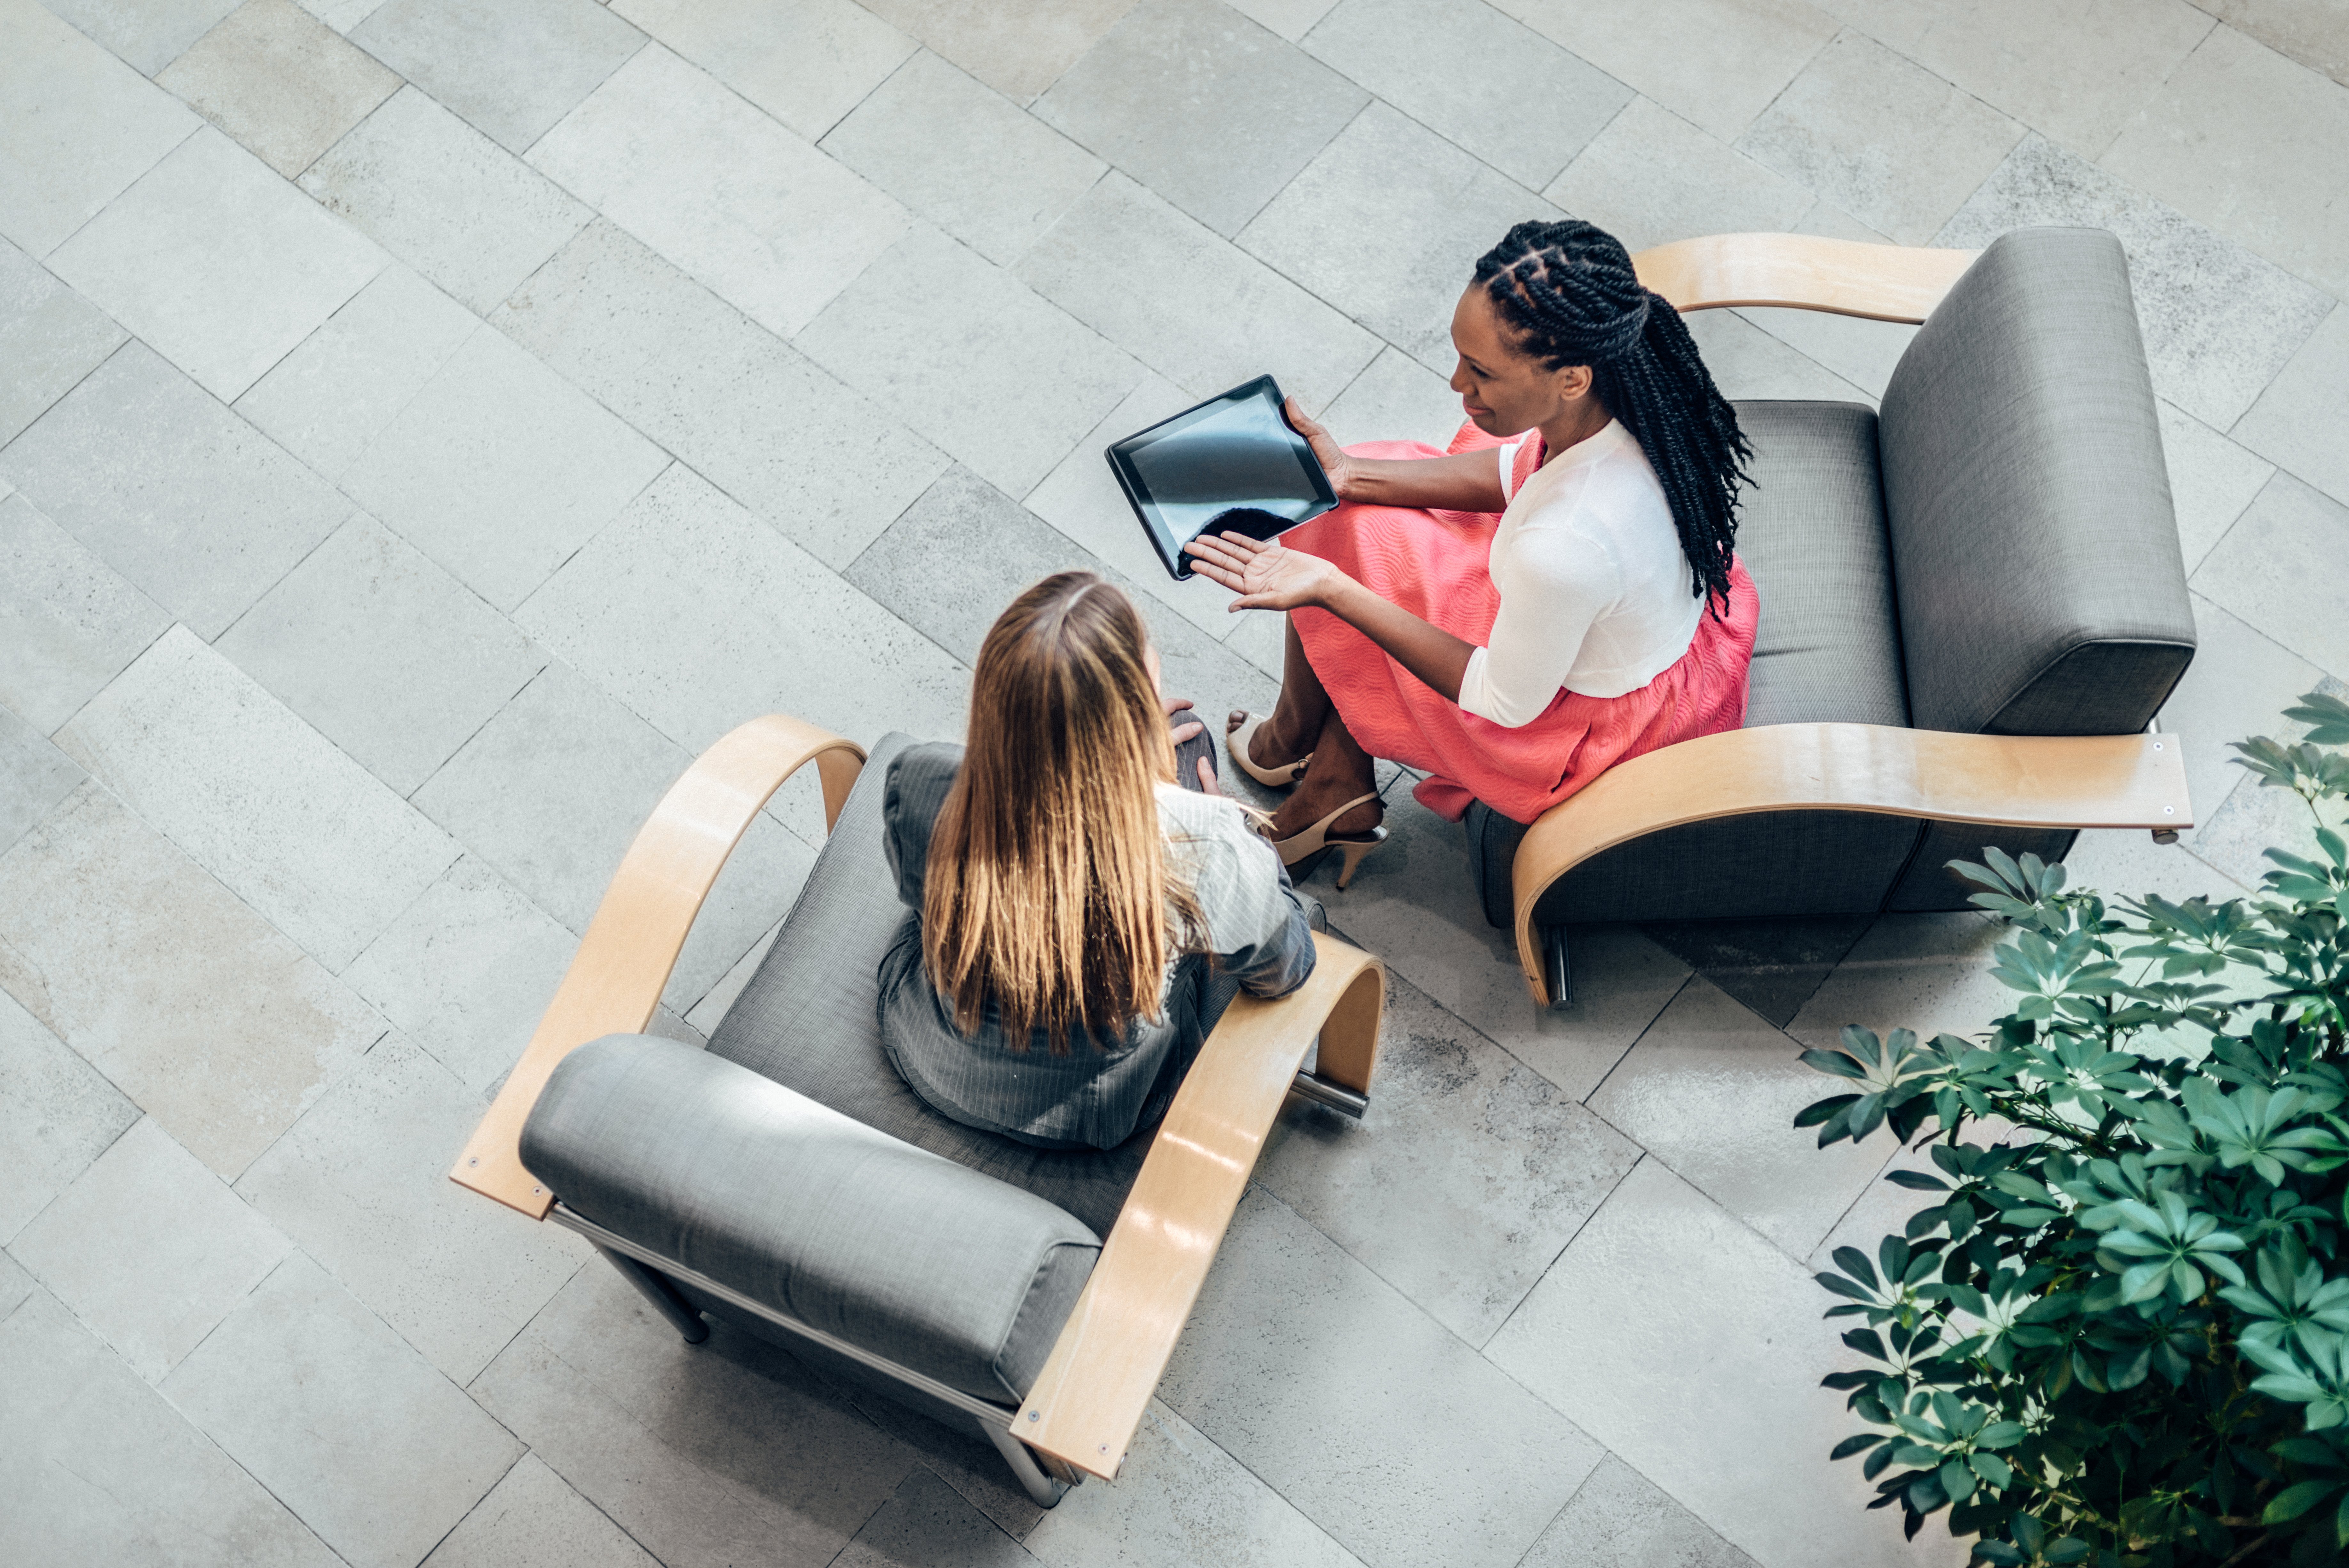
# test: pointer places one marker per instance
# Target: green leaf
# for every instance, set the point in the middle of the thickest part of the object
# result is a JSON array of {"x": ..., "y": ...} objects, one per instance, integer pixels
[{"x": 2296, "y": 1500}]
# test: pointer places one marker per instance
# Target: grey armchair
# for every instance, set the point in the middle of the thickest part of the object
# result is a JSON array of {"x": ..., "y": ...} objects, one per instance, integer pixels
[
  {"x": 1973, "y": 606},
  {"x": 787, "y": 1181}
]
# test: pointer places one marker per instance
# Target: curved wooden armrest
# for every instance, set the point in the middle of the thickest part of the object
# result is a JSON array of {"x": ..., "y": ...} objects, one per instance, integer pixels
[
  {"x": 614, "y": 980},
  {"x": 1804, "y": 271},
  {"x": 2014, "y": 780},
  {"x": 1114, "y": 1349}
]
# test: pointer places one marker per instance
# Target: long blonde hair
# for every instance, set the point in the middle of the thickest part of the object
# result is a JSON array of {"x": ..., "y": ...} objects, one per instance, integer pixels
[{"x": 1047, "y": 892}]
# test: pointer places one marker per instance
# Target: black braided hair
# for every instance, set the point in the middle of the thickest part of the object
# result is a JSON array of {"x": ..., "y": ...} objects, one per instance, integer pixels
[{"x": 1568, "y": 292}]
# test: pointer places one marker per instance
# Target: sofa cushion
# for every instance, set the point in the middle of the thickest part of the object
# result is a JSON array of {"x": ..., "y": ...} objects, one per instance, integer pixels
[
  {"x": 808, "y": 1021},
  {"x": 2042, "y": 588},
  {"x": 889, "y": 1247}
]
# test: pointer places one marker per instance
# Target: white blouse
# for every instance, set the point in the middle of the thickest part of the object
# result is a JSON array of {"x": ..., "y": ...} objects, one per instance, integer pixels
[{"x": 1597, "y": 595}]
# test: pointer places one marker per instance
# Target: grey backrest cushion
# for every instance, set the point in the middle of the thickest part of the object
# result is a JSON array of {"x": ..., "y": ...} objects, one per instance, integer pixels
[
  {"x": 2041, "y": 585},
  {"x": 891, "y": 1248}
]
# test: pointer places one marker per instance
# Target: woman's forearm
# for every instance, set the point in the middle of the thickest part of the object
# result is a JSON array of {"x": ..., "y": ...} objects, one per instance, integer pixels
[
  {"x": 1437, "y": 656},
  {"x": 1459, "y": 482}
]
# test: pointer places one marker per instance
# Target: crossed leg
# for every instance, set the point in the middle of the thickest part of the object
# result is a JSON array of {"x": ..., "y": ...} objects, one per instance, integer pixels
[{"x": 1304, "y": 721}]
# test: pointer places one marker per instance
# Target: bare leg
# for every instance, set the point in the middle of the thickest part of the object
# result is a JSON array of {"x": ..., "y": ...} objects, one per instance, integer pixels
[{"x": 1305, "y": 719}]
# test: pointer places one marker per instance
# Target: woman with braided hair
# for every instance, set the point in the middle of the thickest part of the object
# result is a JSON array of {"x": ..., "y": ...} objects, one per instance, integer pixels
[{"x": 1515, "y": 616}]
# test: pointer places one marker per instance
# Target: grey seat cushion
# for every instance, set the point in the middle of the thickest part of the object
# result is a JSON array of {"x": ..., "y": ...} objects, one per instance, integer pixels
[
  {"x": 807, "y": 1020},
  {"x": 889, "y": 1247}
]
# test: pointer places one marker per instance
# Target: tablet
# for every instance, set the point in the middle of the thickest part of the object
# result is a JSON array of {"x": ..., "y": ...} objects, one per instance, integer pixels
[{"x": 1232, "y": 464}]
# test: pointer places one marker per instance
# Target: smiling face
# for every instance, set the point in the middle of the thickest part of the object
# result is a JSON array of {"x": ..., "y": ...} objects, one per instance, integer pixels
[{"x": 1502, "y": 390}]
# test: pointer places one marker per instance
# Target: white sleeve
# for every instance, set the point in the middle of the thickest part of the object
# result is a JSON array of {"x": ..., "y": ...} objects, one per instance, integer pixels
[
  {"x": 1508, "y": 451},
  {"x": 1553, "y": 598}
]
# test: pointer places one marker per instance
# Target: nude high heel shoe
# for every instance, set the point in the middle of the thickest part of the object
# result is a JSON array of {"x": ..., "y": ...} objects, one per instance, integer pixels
[
  {"x": 1302, "y": 851},
  {"x": 1279, "y": 776}
]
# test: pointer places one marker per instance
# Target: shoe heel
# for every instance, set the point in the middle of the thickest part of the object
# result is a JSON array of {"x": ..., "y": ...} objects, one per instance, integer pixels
[{"x": 1354, "y": 853}]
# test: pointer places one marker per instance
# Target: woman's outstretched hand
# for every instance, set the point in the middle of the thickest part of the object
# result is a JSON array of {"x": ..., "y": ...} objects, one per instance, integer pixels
[
  {"x": 1265, "y": 574},
  {"x": 1334, "y": 461}
]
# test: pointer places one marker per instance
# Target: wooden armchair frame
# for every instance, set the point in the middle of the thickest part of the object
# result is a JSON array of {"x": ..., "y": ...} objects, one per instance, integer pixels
[
  {"x": 1090, "y": 1397},
  {"x": 2010, "y": 781}
]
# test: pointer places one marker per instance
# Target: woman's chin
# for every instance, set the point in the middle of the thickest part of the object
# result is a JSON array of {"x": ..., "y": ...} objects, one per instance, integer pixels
[{"x": 1484, "y": 419}]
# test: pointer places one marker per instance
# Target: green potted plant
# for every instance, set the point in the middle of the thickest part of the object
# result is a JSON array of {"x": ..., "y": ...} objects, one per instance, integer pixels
[{"x": 2116, "y": 1330}]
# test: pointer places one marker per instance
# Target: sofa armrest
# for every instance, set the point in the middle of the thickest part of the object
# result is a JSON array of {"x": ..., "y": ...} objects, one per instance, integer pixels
[
  {"x": 1804, "y": 271},
  {"x": 1090, "y": 1397},
  {"x": 2016, "y": 780},
  {"x": 616, "y": 979}
]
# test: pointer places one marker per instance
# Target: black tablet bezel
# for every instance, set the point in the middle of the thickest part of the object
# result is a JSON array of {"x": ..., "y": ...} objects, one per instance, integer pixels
[{"x": 1137, "y": 493}]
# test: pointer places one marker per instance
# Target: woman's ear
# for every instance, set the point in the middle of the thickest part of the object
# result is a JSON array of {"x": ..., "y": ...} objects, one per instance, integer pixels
[{"x": 1574, "y": 383}]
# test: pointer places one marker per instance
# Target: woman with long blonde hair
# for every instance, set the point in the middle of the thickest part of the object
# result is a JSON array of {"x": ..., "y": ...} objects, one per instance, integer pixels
[{"x": 1076, "y": 921}]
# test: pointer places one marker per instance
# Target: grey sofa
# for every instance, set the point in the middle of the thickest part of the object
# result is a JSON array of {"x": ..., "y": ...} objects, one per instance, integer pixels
[
  {"x": 786, "y": 1181},
  {"x": 1949, "y": 589}
]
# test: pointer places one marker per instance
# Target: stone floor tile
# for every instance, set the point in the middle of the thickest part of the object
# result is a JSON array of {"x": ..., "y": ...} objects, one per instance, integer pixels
[
  {"x": 1883, "y": 138},
  {"x": 383, "y": 652},
  {"x": 341, "y": 1420},
  {"x": 15, "y": 1286},
  {"x": 342, "y": 15},
  {"x": 1017, "y": 50},
  {"x": 1863, "y": 352},
  {"x": 958, "y": 154},
  {"x": 50, "y": 337},
  {"x": 466, "y": 970},
  {"x": 1748, "y": 362},
  {"x": 700, "y": 617},
  {"x": 147, "y": 33},
  {"x": 806, "y": 62},
  {"x": 2238, "y": 685},
  {"x": 2244, "y": 139},
  {"x": 1717, "y": 63},
  {"x": 98, "y": 1467},
  {"x": 1434, "y": 209},
  {"x": 724, "y": 1455},
  {"x": 150, "y": 1249},
  {"x": 1711, "y": 1091},
  {"x": 532, "y": 1519},
  {"x": 719, "y": 999},
  {"x": 2219, "y": 322},
  {"x": 251, "y": 268},
  {"x": 499, "y": 469},
  {"x": 2235, "y": 838},
  {"x": 2126, "y": 863},
  {"x": 1475, "y": 76},
  {"x": 360, "y": 1183},
  {"x": 551, "y": 791},
  {"x": 1292, "y": 19},
  {"x": 1083, "y": 499},
  {"x": 1006, "y": 394},
  {"x": 2074, "y": 73},
  {"x": 263, "y": 802},
  {"x": 1469, "y": 1176},
  {"x": 1395, "y": 398},
  {"x": 1381, "y": 1427},
  {"x": 1188, "y": 302},
  {"x": 2310, "y": 31},
  {"x": 1925, "y": 972},
  {"x": 511, "y": 68},
  {"x": 281, "y": 82},
  {"x": 2211, "y": 479},
  {"x": 1178, "y": 1500},
  {"x": 230, "y": 1034},
  {"x": 927, "y": 1520},
  {"x": 57, "y": 1112},
  {"x": 445, "y": 198},
  {"x": 1651, "y": 177},
  {"x": 2283, "y": 566},
  {"x": 1664, "y": 1301},
  {"x": 2298, "y": 420},
  {"x": 192, "y": 506},
  {"x": 1411, "y": 904},
  {"x": 769, "y": 224},
  {"x": 693, "y": 373},
  {"x": 960, "y": 1458},
  {"x": 1620, "y": 1518},
  {"x": 79, "y": 125},
  {"x": 1772, "y": 965},
  {"x": 1208, "y": 110},
  {"x": 327, "y": 401},
  {"x": 34, "y": 776}
]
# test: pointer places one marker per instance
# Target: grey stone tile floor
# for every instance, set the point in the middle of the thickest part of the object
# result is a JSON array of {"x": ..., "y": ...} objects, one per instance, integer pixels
[{"x": 425, "y": 424}]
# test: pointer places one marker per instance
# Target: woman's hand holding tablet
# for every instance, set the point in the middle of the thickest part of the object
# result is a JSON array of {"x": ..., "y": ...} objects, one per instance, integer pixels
[{"x": 1234, "y": 463}]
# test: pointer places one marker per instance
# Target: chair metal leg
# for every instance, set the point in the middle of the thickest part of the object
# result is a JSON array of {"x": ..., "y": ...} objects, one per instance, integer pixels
[
  {"x": 1560, "y": 967},
  {"x": 664, "y": 1297},
  {"x": 1043, "y": 1491}
]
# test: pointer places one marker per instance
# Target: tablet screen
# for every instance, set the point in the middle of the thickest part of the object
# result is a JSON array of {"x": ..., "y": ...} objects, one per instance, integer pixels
[{"x": 1234, "y": 454}]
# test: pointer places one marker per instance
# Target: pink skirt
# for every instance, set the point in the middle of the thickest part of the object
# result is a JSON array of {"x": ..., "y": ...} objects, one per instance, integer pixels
[{"x": 1436, "y": 566}]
